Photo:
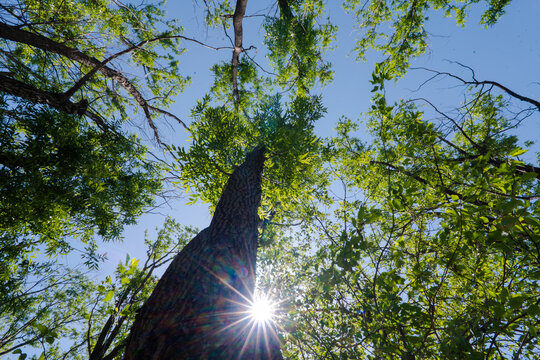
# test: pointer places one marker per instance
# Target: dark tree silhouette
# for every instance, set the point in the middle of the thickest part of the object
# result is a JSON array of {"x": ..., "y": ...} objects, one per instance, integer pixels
[{"x": 198, "y": 308}]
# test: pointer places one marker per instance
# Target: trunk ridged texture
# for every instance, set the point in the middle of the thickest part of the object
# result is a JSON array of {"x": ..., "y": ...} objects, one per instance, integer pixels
[{"x": 198, "y": 308}]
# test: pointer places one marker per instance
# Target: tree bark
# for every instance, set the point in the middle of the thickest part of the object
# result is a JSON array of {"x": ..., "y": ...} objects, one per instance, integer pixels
[
  {"x": 198, "y": 309},
  {"x": 30, "y": 93},
  {"x": 238, "y": 16}
]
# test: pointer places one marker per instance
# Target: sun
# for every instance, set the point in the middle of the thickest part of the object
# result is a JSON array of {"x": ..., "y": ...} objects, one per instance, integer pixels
[{"x": 261, "y": 310}]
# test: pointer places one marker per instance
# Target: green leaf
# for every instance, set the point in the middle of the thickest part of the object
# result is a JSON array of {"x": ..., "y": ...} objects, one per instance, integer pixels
[
  {"x": 42, "y": 329},
  {"x": 517, "y": 152},
  {"x": 498, "y": 310},
  {"x": 504, "y": 294},
  {"x": 509, "y": 220},
  {"x": 109, "y": 296},
  {"x": 529, "y": 176},
  {"x": 396, "y": 204},
  {"x": 533, "y": 310},
  {"x": 532, "y": 221},
  {"x": 516, "y": 301}
]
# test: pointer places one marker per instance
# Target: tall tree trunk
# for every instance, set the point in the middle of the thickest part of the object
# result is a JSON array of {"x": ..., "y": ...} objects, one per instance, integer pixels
[{"x": 198, "y": 308}]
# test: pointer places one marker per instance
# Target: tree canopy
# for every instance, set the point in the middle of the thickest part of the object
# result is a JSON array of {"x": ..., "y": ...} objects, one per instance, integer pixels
[{"x": 412, "y": 232}]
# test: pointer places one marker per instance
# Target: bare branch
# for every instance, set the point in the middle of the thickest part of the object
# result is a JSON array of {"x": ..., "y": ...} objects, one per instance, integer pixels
[
  {"x": 164, "y": 112},
  {"x": 455, "y": 124},
  {"x": 475, "y": 82}
]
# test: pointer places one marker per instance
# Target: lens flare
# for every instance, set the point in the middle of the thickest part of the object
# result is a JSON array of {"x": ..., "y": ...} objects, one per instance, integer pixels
[{"x": 261, "y": 310}]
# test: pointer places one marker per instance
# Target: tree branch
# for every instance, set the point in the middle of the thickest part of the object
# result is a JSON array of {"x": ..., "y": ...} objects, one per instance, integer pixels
[
  {"x": 88, "y": 75},
  {"x": 55, "y": 100},
  {"x": 239, "y": 13},
  {"x": 475, "y": 82},
  {"x": 425, "y": 182},
  {"x": 509, "y": 92},
  {"x": 30, "y": 93},
  {"x": 41, "y": 42}
]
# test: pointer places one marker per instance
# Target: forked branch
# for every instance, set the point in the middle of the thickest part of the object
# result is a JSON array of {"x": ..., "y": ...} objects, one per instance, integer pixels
[
  {"x": 475, "y": 82},
  {"x": 61, "y": 101}
]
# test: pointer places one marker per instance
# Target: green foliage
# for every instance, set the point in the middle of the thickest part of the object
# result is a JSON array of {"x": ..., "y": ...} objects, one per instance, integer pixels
[
  {"x": 440, "y": 260},
  {"x": 297, "y": 41},
  {"x": 64, "y": 313},
  {"x": 40, "y": 309},
  {"x": 251, "y": 87},
  {"x": 61, "y": 176},
  {"x": 397, "y": 29},
  {"x": 100, "y": 29},
  {"x": 216, "y": 10},
  {"x": 222, "y": 137},
  {"x": 430, "y": 253}
]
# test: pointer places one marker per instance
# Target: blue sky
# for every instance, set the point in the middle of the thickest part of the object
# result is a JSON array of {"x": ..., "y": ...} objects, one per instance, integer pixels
[{"x": 508, "y": 52}]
